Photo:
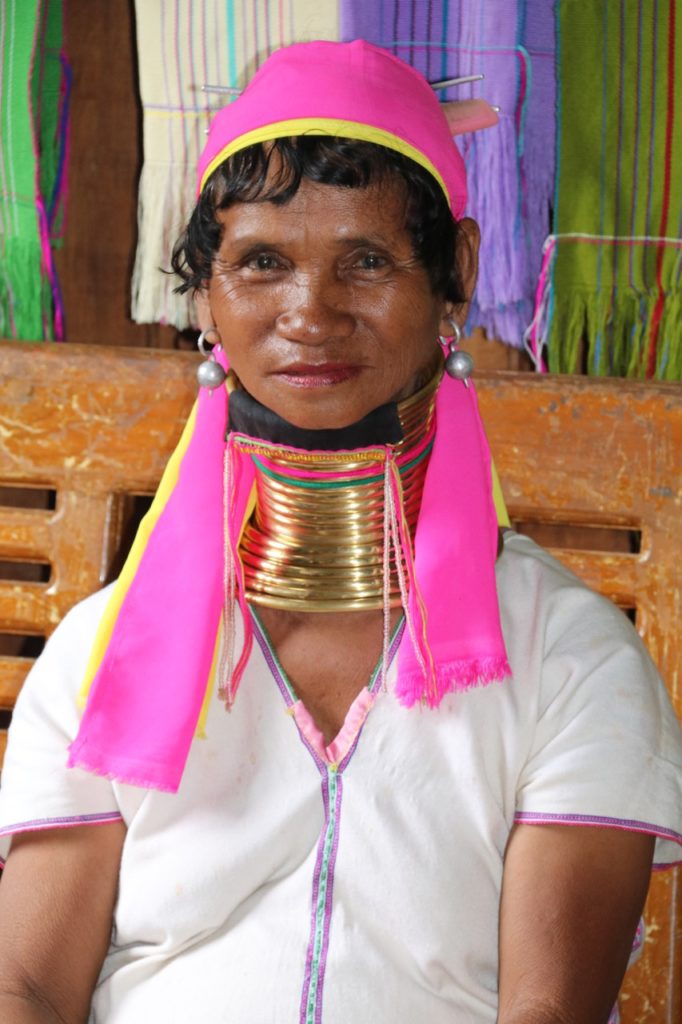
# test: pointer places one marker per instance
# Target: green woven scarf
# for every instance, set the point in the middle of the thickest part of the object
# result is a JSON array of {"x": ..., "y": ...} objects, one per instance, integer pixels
[
  {"x": 30, "y": 148},
  {"x": 614, "y": 301}
]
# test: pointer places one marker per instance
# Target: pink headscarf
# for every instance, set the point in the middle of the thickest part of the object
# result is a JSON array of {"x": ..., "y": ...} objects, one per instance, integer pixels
[
  {"x": 354, "y": 90},
  {"x": 156, "y": 647}
]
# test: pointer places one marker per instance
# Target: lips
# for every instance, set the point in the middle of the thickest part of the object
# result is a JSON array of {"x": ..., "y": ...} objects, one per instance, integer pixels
[{"x": 318, "y": 375}]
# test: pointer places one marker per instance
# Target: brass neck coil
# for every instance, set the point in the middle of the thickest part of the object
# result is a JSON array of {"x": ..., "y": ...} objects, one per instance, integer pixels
[{"x": 318, "y": 545}]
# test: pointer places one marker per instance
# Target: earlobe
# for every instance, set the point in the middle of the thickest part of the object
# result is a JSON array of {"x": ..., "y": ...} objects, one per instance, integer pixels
[
  {"x": 466, "y": 254},
  {"x": 202, "y": 309},
  {"x": 466, "y": 271}
]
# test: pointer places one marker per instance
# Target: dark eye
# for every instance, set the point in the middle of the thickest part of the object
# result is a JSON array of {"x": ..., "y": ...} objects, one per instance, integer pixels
[
  {"x": 263, "y": 261},
  {"x": 371, "y": 261}
]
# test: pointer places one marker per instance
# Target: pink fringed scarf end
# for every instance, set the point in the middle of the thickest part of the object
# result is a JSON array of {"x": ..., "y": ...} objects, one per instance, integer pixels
[
  {"x": 455, "y": 677},
  {"x": 453, "y": 639}
]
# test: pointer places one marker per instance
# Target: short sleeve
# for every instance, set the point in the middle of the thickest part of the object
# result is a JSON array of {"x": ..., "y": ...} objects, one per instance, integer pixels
[
  {"x": 37, "y": 790},
  {"x": 606, "y": 747}
]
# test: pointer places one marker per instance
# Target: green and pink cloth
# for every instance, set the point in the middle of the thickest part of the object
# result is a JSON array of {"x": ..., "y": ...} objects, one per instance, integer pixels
[
  {"x": 609, "y": 297},
  {"x": 34, "y": 101}
]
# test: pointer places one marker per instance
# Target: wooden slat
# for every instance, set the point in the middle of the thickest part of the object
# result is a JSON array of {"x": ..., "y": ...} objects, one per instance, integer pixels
[
  {"x": 614, "y": 575},
  {"x": 13, "y": 672},
  {"x": 101, "y": 420},
  {"x": 25, "y": 533},
  {"x": 27, "y": 608}
]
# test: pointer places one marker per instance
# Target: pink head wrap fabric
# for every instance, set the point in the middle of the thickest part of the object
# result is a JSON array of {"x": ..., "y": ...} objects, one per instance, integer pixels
[
  {"x": 147, "y": 691},
  {"x": 352, "y": 86}
]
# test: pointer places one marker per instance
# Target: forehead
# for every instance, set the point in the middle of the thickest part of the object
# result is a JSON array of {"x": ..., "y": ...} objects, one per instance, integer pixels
[{"x": 322, "y": 213}]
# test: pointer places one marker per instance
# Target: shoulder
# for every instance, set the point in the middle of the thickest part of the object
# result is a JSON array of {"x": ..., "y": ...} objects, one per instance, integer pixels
[
  {"x": 565, "y": 641},
  {"x": 537, "y": 592},
  {"x": 72, "y": 639},
  {"x": 52, "y": 686}
]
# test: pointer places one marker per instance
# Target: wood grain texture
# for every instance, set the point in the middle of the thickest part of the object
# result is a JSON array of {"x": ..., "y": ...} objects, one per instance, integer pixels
[{"x": 97, "y": 424}]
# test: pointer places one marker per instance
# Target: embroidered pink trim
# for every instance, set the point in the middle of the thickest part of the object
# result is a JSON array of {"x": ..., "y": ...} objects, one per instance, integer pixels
[{"x": 335, "y": 752}]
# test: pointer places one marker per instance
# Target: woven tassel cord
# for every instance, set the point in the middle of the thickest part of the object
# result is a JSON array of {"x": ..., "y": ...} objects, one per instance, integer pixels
[{"x": 611, "y": 303}]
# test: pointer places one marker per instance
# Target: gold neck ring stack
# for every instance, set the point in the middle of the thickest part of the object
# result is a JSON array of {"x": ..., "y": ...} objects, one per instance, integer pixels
[{"x": 316, "y": 540}]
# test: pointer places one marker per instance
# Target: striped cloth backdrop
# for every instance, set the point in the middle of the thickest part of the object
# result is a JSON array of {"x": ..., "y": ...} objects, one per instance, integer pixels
[
  {"x": 511, "y": 167},
  {"x": 182, "y": 45},
  {"x": 609, "y": 297},
  {"x": 34, "y": 81}
]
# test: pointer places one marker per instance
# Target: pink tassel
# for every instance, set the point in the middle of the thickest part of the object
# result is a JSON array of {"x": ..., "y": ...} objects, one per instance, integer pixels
[{"x": 424, "y": 686}]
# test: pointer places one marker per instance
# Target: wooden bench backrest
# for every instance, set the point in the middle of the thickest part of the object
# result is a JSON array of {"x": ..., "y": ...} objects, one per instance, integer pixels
[{"x": 592, "y": 465}]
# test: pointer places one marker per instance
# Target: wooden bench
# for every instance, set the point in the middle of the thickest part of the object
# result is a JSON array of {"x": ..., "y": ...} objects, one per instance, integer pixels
[{"x": 590, "y": 467}]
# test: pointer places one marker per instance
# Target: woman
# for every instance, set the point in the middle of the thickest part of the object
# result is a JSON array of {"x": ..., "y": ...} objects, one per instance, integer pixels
[{"x": 333, "y": 849}]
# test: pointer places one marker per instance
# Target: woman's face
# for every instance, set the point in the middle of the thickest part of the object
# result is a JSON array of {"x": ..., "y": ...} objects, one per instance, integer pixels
[{"x": 322, "y": 308}]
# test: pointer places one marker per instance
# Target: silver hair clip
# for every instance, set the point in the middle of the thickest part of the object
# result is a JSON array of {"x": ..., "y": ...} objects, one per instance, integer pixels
[
  {"x": 445, "y": 83},
  {"x": 226, "y": 90}
]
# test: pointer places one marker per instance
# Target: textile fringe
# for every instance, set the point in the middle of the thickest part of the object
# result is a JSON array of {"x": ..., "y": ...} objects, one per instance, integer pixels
[
  {"x": 165, "y": 202},
  {"x": 611, "y": 334},
  {"x": 537, "y": 158},
  {"x": 430, "y": 684},
  {"x": 455, "y": 677},
  {"x": 25, "y": 292},
  {"x": 502, "y": 303}
]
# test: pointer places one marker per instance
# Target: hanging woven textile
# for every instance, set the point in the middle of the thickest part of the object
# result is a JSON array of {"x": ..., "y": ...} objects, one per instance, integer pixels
[
  {"x": 609, "y": 296},
  {"x": 511, "y": 168},
  {"x": 34, "y": 92},
  {"x": 182, "y": 46}
]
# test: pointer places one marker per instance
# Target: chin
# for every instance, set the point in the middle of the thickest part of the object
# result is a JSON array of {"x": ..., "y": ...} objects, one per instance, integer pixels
[
  {"x": 318, "y": 419},
  {"x": 317, "y": 408}
]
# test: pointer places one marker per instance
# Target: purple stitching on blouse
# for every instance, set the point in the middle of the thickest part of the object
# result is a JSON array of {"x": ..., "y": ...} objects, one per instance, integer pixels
[
  {"x": 595, "y": 819},
  {"x": 324, "y": 770},
  {"x": 76, "y": 819},
  {"x": 276, "y": 672},
  {"x": 307, "y": 975},
  {"x": 41, "y": 824},
  {"x": 328, "y": 902}
]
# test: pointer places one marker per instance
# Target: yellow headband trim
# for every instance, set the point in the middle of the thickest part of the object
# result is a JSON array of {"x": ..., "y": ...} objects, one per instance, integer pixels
[{"x": 324, "y": 126}]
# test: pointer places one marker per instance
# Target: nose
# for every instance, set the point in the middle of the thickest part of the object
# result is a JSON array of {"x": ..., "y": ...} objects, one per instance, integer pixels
[{"x": 316, "y": 310}]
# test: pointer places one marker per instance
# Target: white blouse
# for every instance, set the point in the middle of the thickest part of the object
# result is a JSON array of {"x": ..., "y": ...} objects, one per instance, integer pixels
[{"x": 289, "y": 881}]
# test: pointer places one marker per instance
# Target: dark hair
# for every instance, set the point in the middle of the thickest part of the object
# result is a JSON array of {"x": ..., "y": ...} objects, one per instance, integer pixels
[{"x": 247, "y": 177}]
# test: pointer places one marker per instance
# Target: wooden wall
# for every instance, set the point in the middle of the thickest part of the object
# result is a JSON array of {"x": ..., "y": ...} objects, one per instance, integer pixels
[{"x": 95, "y": 263}]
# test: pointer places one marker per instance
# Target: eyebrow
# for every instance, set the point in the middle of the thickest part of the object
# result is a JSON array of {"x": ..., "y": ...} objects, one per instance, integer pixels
[{"x": 254, "y": 240}]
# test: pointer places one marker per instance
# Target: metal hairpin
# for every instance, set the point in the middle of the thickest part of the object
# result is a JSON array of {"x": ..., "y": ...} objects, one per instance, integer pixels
[
  {"x": 227, "y": 90},
  {"x": 445, "y": 83}
]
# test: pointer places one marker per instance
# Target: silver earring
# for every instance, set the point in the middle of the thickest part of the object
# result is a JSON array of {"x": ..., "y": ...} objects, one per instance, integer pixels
[
  {"x": 458, "y": 364},
  {"x": 210, "y": 373}
]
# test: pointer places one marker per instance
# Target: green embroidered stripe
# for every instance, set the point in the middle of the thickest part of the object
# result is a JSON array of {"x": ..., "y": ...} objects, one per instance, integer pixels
[{"x": 322, "y": 898}]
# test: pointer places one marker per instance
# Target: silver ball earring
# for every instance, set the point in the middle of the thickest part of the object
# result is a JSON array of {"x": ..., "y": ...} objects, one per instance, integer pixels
[
  {"x": 458, "y": 364},
  {"x": 210, "y": 373}
]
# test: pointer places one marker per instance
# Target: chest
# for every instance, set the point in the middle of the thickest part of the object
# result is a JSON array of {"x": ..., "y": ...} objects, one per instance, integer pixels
[
  {"x": 328, "y": 662},
  {"x": 355, "y": 859}
]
